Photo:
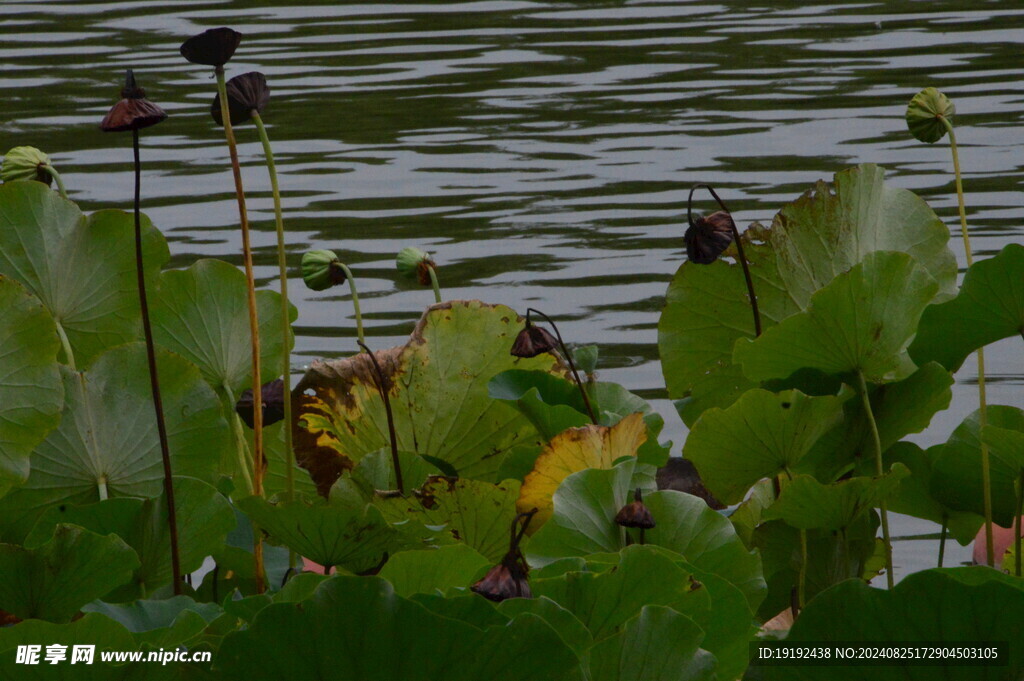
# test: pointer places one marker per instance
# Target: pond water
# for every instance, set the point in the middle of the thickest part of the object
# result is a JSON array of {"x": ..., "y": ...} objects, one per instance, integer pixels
[{"x": 542, "y": 150}]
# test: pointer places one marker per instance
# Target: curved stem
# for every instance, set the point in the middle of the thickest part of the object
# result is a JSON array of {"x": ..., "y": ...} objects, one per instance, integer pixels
[
  {"x": 254, "y": 328},
  {"x": 56, "y": 178},
  {"x": 391, "y": 419},
  {"x": 568, "y": 359},
  {"x": 154, "y": 379},
  {"x": 435, "y": 284},
  {"x": 66, "y": 344},
  {"x": 355, "y": 301},
  {"x": 942, "y": 538},
  {"x": 739, "y": 250},
  {"x": 286, "y": 335},
  {"x": 986, "y": 477},
  {"x": 879, "y": 471}
]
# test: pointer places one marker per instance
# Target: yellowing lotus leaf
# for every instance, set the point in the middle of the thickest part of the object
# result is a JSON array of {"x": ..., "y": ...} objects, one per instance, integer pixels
[{"x": 572, "y": 451}]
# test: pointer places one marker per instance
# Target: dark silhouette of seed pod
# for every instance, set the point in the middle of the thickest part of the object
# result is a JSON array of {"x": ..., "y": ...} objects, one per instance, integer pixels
[
  {"x": 273, "y": 403},
  {"x": 134, "y": 111},
  {"x": 635, "y": 514},
  {"x": 708, "y": 237},
  {"x": 246, "y": 93},
  {"x": 532, "y": 341},
  {"x": 213, "y": 47}
]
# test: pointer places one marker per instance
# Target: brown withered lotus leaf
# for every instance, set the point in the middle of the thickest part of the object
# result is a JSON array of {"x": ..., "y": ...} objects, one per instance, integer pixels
[
  {"x": 437, "y": 385},
  {"x": 273, "y": 403},
  {"x": 534, "y": 340},
  {"x": 134, "y": 111},
  {"x": 213, "y": 47},
  {"x": 681, "y": 475},
  {"x": 246, "y": 93},
  {"x": 708, "y": 237}
]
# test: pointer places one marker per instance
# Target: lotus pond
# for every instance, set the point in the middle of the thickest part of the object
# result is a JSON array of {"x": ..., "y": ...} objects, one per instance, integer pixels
[{"x": 484, "y": 491}]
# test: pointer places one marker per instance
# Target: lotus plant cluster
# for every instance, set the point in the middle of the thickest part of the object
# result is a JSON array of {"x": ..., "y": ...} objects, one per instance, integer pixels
[{"x": 474, "y": 502}]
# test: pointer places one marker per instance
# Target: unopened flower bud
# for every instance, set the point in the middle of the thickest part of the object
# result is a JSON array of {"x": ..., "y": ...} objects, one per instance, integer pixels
[
  {"x": 925, "y": 115},
  {"x": 321, "y": 270},
  {"x": 532, "y": 341},
  {"x": 25, "y": 163},
  {"x": 707, "y": 237},
  {"x": 273, "y": 403},
  {"x": 635, "y": 514}
]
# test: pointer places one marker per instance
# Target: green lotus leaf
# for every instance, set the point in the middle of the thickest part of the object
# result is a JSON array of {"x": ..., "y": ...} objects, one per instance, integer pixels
[
  {"x": 761, "y": 435},
  {"x": 91, "y": 629},
  {"x": 925, "y": 113},
  {"x": 948, "y": 606},
  {"x": 107, "y": 443},
  {"x": 862, "y": 321},
  {"x": 1007, "y": 441},
  {"x": 358, "y": 628},
  {"x": 413, "y": 572},
  {"x": 476, "y": 513},
  {"x": 165, "y": 623},
  {"x": 438, "y": 391},
  {"x": 81, "y": 268},
  {"x": 205, "y": 518},
  {"x": 899, "y": 408},
  {"x": 822, "y": 234},
  {"x": 658, "y": 644},
  {"x": 956, "y": 465},
  {"x": 990, "y": 307},
  {"x": 568, "y": 626},
  {"x": 275, "y": 479},
  {"x": 31, "y": 392},
  {"x": 324, "y": 532},
  {"x": 51, "y": 582},
  {"x": 25, "y": 163},
  {"x": 807, "y": 504}
]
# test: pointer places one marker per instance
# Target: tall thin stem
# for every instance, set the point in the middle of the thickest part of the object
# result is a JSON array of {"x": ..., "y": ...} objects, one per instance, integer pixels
[
  {"x": 382, "y": 387},
  {"x": 942, "y": 538},
  {"x": 66, "y": 344},
  {"x": 56, "y": 178},
  {"x": 434, "y": 283},
  {"x": 154, "y": 379},
  {"x": 242, "y": 454},
  {"x": 1017, "y": 531},
  {"x": 568, "y": 358},
  {"x": 355, "y": 301},
  {"x": 254, "y": 326},
  {"x": 986, "y": 476},
  {"x": 739, "y": 250},
  {"x": 880, "y": 471},
  {"x": 282, "y": 271}
]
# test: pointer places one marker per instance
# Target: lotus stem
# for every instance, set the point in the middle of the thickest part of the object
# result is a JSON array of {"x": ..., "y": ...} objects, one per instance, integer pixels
[
  {"x": 801, "y": 586},
  {"x": 101, "y": 488},
  {"x": 568, "y": 359},
  {"x": 282, "y": 267},
  {"x": 1017, "y": 531},
  {"x": 382, "y": 387},
  {"x": 739, "y": 250},
  {"x": 355, "y": 301},
  {"x": 986, "y": 476},
  {"x": 56, "y": 178},
  {"x": 254, "y": 327},
  {"x": 434, "y": 283},
  {"x": 154, "y": 379},
  {"x": 242, "y": 453},
  {"x": 942, "y": 538},
  {"x": 879, "y": 470},
  {"x": 66, "y": 344}
]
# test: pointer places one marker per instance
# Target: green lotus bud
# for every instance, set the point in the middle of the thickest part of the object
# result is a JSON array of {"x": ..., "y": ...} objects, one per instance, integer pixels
[
  {"x": 926, "y": 112},
  {"x": 26, "y": 163},
  {"x": 412, "y": 263},
  {"x": 321, "y": 270}
]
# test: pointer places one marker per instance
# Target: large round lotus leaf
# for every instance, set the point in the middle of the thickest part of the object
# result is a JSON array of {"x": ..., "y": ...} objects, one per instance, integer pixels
[
  {"x": 937, "y": 607},
  {"x": 990, "y": 306},
  {"x": 476, "y": 513},
  {"x": 53, "y": 581},
  {"x": 163, "y": 623},
  {"x": 658, "y": 644},
  {"x": 575, "y": 450},
  {"x": 438, "y": 390},
  {"x": 925, "y": 113},
  {"x": 807, "y": 504},
  {"x": 761, "y": 435},
  {"x": 358, "y": 628},
  {"x": 93, "y": 629},
  {"x": 205, "y": 517},
  {"x": 31, "y": 391},
  {"x": 862, "y": 321},
  {"x": 202, "y": 313},
  {"x": 327, "y": 533},
  {"x": 82, "y": 269},
  {"x": 413, "y": 572},
  {"x": 107, "y": 438},
  {"x": 825, "y": 232}
]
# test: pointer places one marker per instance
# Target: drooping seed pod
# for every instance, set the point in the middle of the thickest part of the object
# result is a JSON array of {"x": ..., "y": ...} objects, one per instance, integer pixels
[
  {"x": 213, "y": 47},
  {"x": 533, "y": 340},
  {"x": 635, "y": 514},
  {"x": 504, "y": 581},
  {"x": 925, "y": 115},
  {"x": 25, "y": 163},
  {"x": 321, "y": 270},
  {"x": 412, "y": 263},
  {"x": 246, "y": 93},
  {"x": 134, "y": 111},
  {"x": 273, "y": 403},
  {"x": 708, "y": 237}
]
